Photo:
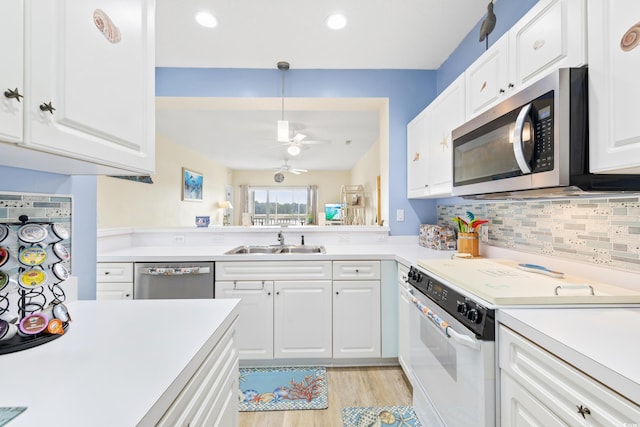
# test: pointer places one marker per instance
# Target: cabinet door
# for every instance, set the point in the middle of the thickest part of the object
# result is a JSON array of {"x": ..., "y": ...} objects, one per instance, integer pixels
[
  {"x": 447, "y": 113},
  {"x": 614, "y": 61},
  {"x": 551, "y": 35},
  {"x": 519, "y": 409},
  {"x": 302, "y": 319},
  {"x": 487, "y": 78},
  {"x": 254, "y": 330},
  {"x": 356, "y": 319},
  {"x": 417, "y": 156},
  {"x": 114, "y": 291},
  {"x": 11, "y": 46},
  {"x": 92, "y": 62}
]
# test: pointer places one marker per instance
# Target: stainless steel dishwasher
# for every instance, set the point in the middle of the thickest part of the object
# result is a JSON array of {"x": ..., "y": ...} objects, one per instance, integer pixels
[{"x": 175, "y": 280}]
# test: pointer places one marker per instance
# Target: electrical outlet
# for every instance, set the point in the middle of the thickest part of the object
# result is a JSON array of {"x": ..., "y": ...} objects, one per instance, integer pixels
[
  {"x": 400, "y": 215},
  {"x": 484, "y": 234}
]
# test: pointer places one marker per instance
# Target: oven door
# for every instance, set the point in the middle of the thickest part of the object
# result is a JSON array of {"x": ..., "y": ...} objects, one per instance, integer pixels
[{"x": 454, "y": 372}]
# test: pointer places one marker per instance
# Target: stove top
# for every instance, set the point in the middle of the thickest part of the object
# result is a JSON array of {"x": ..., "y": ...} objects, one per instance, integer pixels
[{"x": 500, "y": 282}]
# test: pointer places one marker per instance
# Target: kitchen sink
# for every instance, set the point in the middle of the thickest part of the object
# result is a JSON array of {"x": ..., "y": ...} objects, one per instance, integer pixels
[{"x": 276, "y": 249}]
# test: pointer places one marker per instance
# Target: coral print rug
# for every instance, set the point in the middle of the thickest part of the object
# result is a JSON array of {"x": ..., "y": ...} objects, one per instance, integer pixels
[
  {"x": 383, "y": 416},
  {"x": 283, "y": 389}
]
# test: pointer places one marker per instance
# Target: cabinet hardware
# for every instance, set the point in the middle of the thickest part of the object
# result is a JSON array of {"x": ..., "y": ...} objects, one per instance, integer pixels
[
  {"x": 268, "y": 293},
  {"x": 337, "y": 293},
  {"x": 582, "y": 410},
  {"x": 501, "y": 90},
  {"x": 47, "y": 107},
  {"x": 278, "y": 293},
  {"x": 13, "y": 94},
  {"x": 511, "y": 85},
  {"x": 357, "y": 271}
]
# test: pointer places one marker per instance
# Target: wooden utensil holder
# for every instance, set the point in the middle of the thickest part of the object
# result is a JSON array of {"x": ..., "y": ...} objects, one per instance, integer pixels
[{"x": 468, "y": 244}]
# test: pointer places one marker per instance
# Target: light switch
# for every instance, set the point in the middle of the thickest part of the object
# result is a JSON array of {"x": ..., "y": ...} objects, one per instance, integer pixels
[{"x": 399, "y": 215}]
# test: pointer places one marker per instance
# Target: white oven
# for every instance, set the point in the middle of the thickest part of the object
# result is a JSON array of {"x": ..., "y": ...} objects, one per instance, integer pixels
[{"x": 455, "y": 372}]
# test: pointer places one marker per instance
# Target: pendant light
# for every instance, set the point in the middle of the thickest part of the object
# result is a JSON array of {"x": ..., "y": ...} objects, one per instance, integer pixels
[{"x": 283, "y": 125}]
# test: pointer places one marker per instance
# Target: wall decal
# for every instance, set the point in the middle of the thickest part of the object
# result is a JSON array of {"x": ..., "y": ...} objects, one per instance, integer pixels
[
  {"x": 631, "y": 38},
  {"x": 106, "y": 26}
]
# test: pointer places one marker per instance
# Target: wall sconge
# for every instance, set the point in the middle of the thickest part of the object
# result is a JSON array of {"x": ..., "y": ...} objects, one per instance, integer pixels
[{"x": 225, "y": 205}]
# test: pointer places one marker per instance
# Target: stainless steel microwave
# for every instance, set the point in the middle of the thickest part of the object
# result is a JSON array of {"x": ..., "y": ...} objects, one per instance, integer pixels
[{"x": 535, "y": 142}]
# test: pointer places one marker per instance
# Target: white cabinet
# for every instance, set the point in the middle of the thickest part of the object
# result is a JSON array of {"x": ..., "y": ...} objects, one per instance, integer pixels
[
  {"x": 255, "y": 323},
  {"x": 285, "y": 307},
  {"x": 447, "y": 112},
  {"x": 613, "y": 88},
  {"x": 404, "y": 312},
  {"x": 487, "y": 79},
  {"x": 356, "y": 309},
  {"x": 540, "y": 389},
  {"x": 302, "y": 319},
  {"x": 114, "y": 280},
  {"x": 429, "y": 146},
  {"x": 210, "y": 398},
  {"x": 550, "y": 36},
  {"x": 88, "y": 86},
  {"x": 356, "y": 319},
  {"x": 11, "y": 71},
  {"x": 417, "y": 156}
]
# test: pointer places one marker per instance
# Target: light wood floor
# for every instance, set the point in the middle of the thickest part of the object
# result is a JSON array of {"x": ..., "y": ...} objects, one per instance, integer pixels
[{"x": 370, "y": 386}]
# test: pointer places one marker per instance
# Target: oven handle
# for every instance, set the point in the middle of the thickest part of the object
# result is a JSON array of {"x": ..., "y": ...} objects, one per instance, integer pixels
[
  {"x": 518, "y": 144},
  {"x": 442, "y": 325}
]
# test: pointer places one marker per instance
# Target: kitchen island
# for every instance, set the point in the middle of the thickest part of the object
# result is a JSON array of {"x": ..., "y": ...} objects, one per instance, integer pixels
[{"x": 126, "y": 363}]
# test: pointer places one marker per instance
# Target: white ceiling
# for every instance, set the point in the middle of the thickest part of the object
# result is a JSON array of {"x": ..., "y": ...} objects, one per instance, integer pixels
[{"x": 381, "y": 34}]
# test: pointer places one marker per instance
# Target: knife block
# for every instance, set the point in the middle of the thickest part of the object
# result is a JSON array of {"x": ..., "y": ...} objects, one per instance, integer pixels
[{"x": 468, "y": 244}]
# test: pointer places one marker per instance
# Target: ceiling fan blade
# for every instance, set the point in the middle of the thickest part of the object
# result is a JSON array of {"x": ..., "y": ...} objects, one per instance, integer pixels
[
  {"x": 314, "y": 142},
  {"x": 298, "y": 137},
  {"x": 298, "y": 171}
]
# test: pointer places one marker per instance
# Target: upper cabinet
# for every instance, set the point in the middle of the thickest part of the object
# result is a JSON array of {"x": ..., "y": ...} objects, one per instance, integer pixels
[
  {"x": 12, "y": 89},
  {"x": 88, "y": 85},
  {"x": 429, "y": 145},
  {"x": 614, "y": 61},
  {"x": 551, "y": 35}
]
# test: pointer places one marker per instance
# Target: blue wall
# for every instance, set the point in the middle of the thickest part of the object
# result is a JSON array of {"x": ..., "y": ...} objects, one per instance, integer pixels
[
  {"x": 84, "y": 220},
  {"x": 408, "y": 91}
]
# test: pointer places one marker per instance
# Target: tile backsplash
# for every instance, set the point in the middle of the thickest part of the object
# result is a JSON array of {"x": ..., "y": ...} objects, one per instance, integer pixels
[
  {"x": 604, "y": 231},
  {"x": 39, "y": 208}
]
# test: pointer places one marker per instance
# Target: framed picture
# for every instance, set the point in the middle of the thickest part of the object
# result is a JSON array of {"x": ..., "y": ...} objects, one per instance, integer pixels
[{"x": 191, "y": 185}]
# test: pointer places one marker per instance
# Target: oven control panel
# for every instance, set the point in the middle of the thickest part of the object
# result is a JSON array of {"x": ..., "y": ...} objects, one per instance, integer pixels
[{"x": 472, "y": 314}]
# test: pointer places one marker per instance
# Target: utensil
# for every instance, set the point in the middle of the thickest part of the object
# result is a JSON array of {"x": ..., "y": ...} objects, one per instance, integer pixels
[{"x": 533, "y": 268}]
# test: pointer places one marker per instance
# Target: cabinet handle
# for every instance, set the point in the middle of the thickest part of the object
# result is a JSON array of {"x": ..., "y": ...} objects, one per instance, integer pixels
[
  {"x": 127, "y": 295},
  {"x": 511, "y": 85},
  {"x": 582, "y": 410},
  {"x": 337, "y": 293},
  {"x": 501, "y": 90},
  {"x": 13, "y": 94},
  {"x": 268, "y": 293},
  {"x": 278, "y": 293},
  {"x": 46, "y": 106},
  {"x": 106, "y": 272},
  {"x": 357, "y": 271}
]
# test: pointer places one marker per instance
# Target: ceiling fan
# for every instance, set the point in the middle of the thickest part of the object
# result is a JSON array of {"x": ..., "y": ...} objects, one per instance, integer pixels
[
  {"x": 294, "y": 141},
  {"x": 278, "y": 176}
]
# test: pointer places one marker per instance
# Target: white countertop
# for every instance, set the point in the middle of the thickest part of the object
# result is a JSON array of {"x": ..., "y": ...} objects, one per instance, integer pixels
[
  {"x": 602, "y": 342},
  {"x": 405, "y": 253},
  {"x": 119, "y": 364}
]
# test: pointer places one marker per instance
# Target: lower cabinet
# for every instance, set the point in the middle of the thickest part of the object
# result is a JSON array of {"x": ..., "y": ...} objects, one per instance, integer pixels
[
  {"x": 540, "y": 389},
  {"x": 304, "y": 309},
  {"x": 114, "y": 280},
  {"x": 302, "y": 319},
  {"x": 356, "y": 319},
  {"x": 210, "y": 398},
  {"x": 255, "y": 323}
]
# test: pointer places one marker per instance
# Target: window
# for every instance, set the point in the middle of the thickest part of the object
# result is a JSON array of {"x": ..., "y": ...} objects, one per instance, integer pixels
[{"x": 281, "y": 205}]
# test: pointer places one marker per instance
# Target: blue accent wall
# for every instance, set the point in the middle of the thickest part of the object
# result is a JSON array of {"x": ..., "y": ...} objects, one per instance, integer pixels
[
  {"x": 408, "y": 91},
  {"x": 84, "y": 220},
  {"x": 507, "y": 12}
]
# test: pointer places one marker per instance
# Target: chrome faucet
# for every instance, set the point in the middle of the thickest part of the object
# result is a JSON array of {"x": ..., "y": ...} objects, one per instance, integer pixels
[{"x": 280, "y": 238}]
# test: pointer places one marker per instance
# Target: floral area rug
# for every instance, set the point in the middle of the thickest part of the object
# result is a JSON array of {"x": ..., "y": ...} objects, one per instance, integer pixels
[
  {"x": 383, "y": 416},
  {"x": 283, "y": 389}
]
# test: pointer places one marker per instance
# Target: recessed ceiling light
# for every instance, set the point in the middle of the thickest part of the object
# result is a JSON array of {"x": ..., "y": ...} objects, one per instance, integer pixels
[
  {"x": 206, "y": 19},
  {"x": 337, "y": 21}
]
